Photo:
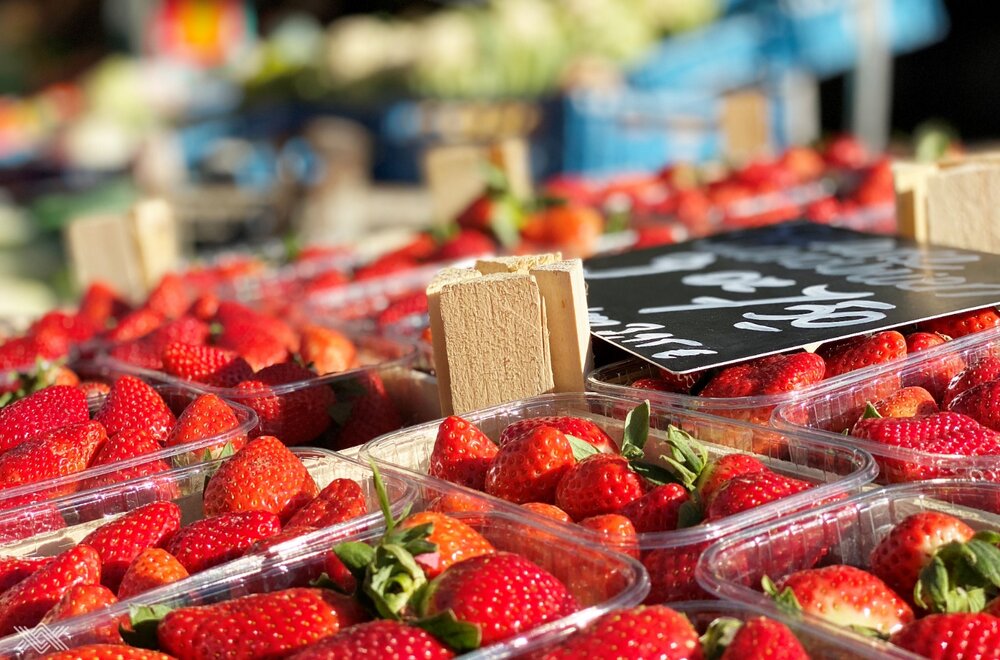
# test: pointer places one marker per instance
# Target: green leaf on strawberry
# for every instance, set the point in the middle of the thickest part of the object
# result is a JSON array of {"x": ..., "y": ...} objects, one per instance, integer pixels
[
  {"x": 686, "y": 460},
  {"x": 719, "y": 635},
  {"x": 784, "y": 600},
  {"x": 961, "y": 577},
  {"x": 459, "y": 635},
  {"x": 871, "y": 412},
  {"x": 143, "y": 622},
  {"x": 581, "y": 448}
]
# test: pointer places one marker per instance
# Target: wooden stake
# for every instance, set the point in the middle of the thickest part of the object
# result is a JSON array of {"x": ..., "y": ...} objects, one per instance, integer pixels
[{"x": 564, "y": 293}]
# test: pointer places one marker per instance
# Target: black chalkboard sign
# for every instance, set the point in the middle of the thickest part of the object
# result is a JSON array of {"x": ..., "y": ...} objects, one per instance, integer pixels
[{"x": 732, "y": 297}]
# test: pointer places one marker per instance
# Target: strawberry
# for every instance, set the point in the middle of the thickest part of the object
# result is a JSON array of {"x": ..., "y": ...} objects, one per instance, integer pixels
[
  {"x": 126, "y": 446},
  {"x": 367, "y": 416},
  {"x": 760, "y": 638},
  {"x": 341, "y": 500},
  {"x": 384, "y": 266},
  {"x": 169, "y": 297},
  {"x": 980, "y": 403},
  {"x": 51, "y": 455},
  {"x": 717, "y": 473},
  {"x": 107, "y": 652},
  {"x": 668, "y": 381},
  {"x": 933, "y": 376},
  {"x": 43, "y": 411},
  {"x": 254, "y": 344},
  {"x": 206, "y": 417},
  {"x": 205, "y": 364},
  {"x": 963, "y": 323},
  {"x": 297, "y": 414},
  {"x": 463, "y": 245},
  {"x": 327, "y": 350},
  {"x": 658, "y": 509},
  {"x": 233, "y": 313},
  {"x": 774, "y": 374},
  {"x": 94, "y": 388},
  {"x": 530, "y": 467},
  {"x": 212, "y": 541},
  {"x": 583, "y": 429},
  {"x": 133, "y": 404},
  {"x": 653, "y": 631},
  {"x": 119, "y": 542},
  {"x": 185, "y": 330},
  {"x": 263, "y": 476},
  {"x": 617, "y": 531},
  {"x": 138, "y": 353},
  {"x": 907, "y": 402},
  {"x": 455, "y": 542},
  {"x": 462, "y": 453},
  {"x": 486, "y": 591},
  {"x": 845, "y": 596},
  {"x": 24, "y": 604},
  {"x": 981, "y": 371},
  {"x": 78, "y": 600},
  {"x": 15, "y": 569},
  {"x": 749, "y": 491},
  {"x": 951, "y": 636},
  {"x": 151, "y": 568},
  {"x": 204, "y": 307},
  {"x": 671, "y": 572},
  {"x": 404, "y": 307},
  {"x": 902, "y": 554},
  {"x": 548, "y": 511},
  {"x": 846, "y": 152},
  {"x": 135, "y": 325},
  {"x": 946, "y": 433},
  {"x": 861, "y": 352},
  {"x": 100, "y": 304},
  {"x": 388, "y": 640},
  {"x": 258, "y": 626}
]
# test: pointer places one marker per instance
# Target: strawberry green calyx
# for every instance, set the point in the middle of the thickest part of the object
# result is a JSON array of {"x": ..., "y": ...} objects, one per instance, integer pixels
[
  {"x": 685, "y": 462},
  {"x": 961, "y": 577},
  {"x": 143, "y": 622},
  {"x": 719, "y": 636},
  {"x": 459, "y": 635},
  {"x": 871, "y": 412},
  {"x": 784, "y": 600}
]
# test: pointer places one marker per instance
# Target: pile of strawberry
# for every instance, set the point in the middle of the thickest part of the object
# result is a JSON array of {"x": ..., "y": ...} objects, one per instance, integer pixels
[
  {"x": 570, "y": 469},
  {"x": 50, "y": 434},
  {"x": 779, "y": 374},
  {"x": 262, "y": 496},
  {"x": 931, "y": 587}
]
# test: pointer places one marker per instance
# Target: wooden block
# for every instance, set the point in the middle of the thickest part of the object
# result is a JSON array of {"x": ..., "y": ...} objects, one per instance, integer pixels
[
  {"x": 746, "y": 124},
  {"x": 496, "y": 341},
  {"x": 445, "y": 277},
  {"x": 963, "y": 207},
  {"x": 153, "y": 227},
  {"x": 564, "y": 294},
  {"x": 910, "y": 180},
  {"x": 101, "y": 248},
  {"x": 516, "y": 264}
]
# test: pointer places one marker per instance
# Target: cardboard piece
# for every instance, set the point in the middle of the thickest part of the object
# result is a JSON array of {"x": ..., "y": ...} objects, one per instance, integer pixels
[
  {"x": 153, "y": 228},
  {"x": 101, "y": 247}
]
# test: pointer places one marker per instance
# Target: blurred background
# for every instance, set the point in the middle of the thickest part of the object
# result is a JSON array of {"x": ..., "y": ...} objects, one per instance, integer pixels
[{"x": 266, "y": 127}]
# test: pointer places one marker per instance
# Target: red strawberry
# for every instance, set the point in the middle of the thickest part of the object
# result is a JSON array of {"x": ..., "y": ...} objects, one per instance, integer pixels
[
  {"x": 951, "y": 636},
  {"x": 45, "y": 410},
  {"x": 584, "y": 429},
  {"x": 252, "y": 343},
  {"x": 120, "y": 541},
  {"x": 846, "y": 596},
  {"x": 548, "y": 511},
  {"x": 455, "y": 542},
  {"x": 204, "y": 307},
  {"x": 185, "y": 330},
  {"x": 946, "y": 433},
  {"x": 654, "y": 631},
  {"x": 388, "y": 640},
  {"x": 270, "y": 625},
  {"x": 107, "y": 652},
  {"x": 671, "y": 572},
  {"x": 57, "y": 331},
  {"x": 263, "y": 476},
  {"x": 135, "y": 325},
  {"x": 761, "y": 638},
  {"x": 24, "y": 604},
  {"x": 327, "y": 350},
  {"x": 597, "y": 485},
  {"x": 132, "y": 404},
  {"x": 78, "y": 600},
  {"x": 151, "y": 568},
  {"x": 487, "y": 591},
  {"x": 207, "y": 416},
  {"x": 907, "y": 402},
  {"x": 749, "y": 491},
  {"x": 464, "y": 245},
  {"x": 384, "y": 266},
  {"x": 618, "y": 531},
  {"x": 412, "y": 304},
  {"x": 138, "y": 353},
  {"x": 170, "y": 297},
  {"x": 981, "y": 403},
  {"x": 126, "y": 446},
  {"x": 295, "y": 413},
  {"x": 212, "y": 541},
  {"x": 921, "y": 341},
  {"x": 963, "y": 323},
  {"x": 861, "y": 352},
  {"x": 908, "y": 547},
  {"x": 981, "y": 371},
  {"x": 15, "y": 569},
  {"x": 54, "y": 454},
  {"x": 773, "y": 374},
  {"x": 529, "y": 468},
  {"x": 462, "y": 453},
  {"x": 94, "y": 389},
  {"x": 367, "y": 416},
  {"x": 205, "y": 364},
  {"x": 233, "y": 313},
  {"x": 100, "y": 304},
  {"x": 668, "y": 381},
  {"x": 657, "y": 510},
  {"x": 717, "y": 473},
  {"x": 341, "y": 500}
]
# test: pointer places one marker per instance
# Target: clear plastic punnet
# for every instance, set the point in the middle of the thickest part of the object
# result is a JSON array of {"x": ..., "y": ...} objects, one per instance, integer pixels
[
  {"x": 844, "y": 532},
  {"x": 833, "y": 407},
  {"x": 669, "y": 556},
  {"x": 600, "y": 579},
  {"x": 178, "y": 398}
]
